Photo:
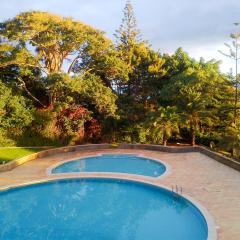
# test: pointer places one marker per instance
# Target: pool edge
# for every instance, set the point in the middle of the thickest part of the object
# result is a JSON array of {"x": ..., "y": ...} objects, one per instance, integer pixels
[
  {"x": 167, "y": 172},
  {"x": 211, "y": 226}
]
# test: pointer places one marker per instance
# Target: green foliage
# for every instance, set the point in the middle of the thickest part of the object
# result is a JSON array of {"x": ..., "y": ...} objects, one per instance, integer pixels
[
  {"x": 15, "y": 110},
  {"x": 177, "y": 63},
  {"x": 162, "y": 124},
  {"x": 211, "y": 139},
  {"x": 42, "y": 131},
  {"x": 55, "y": 40},
  {"x": 145, "y": 68},
  {"x": 233, "y": 53},
  {"x": 38, "y": 43},
  {"x": 231, "y": 140},
  {"x": 85, "y": 88},
  {"x": 128, "y": 32},
  {"x": 15, "y": 114},
  {"x": 53, "y": 37},
  {"x": 5, "y": 140},
  {"x": 92, "y": 89},
  {"x": 198, "y": 93}
]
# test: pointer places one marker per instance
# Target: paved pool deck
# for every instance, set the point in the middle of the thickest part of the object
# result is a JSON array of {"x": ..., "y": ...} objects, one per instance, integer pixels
[{"x": 212, "y": 184}]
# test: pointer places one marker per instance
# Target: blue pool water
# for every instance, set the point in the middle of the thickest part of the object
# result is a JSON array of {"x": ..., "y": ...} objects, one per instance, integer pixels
[
  {"x": 122, "y": 163},
  {"x": 97, "y": 209}
]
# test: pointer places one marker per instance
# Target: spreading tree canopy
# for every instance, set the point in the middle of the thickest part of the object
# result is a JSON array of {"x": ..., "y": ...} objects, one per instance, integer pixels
[{"x": 64, "y": 81}]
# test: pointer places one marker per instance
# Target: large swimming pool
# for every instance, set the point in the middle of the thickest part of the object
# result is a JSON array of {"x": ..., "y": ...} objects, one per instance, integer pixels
[
  {"x": 122, "y": 163},
  {"x": 98, "y": 209}
]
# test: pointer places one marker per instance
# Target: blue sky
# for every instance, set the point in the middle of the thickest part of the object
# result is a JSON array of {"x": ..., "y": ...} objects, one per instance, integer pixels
[{"x": 199, "y": 26}]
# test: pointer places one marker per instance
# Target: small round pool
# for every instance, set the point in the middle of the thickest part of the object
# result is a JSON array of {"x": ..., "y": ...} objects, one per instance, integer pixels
[
  {"x": 121, "y": 163},
  {"x": 98, "y": 209}
]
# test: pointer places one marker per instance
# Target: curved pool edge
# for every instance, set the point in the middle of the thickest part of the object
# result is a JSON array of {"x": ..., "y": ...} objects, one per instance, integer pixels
[
  {"x": 167, "y": 172},
  {"x": 212, "y": 232}
]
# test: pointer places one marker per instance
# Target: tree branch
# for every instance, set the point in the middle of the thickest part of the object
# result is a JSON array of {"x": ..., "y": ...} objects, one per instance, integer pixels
[
  {"x": 23, "y": 84},
  {"x": 72, "y": 64}
]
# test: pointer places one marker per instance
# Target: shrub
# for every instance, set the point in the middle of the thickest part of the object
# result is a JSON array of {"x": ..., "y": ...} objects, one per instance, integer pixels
[{"x": 16, "y": 114}]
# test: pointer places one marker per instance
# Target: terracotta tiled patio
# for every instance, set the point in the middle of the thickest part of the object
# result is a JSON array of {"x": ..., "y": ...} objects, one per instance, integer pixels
[{"x": 213, "y": 185}]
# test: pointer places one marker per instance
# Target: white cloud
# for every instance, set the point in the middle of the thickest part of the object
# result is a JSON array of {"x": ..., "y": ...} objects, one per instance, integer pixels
[{"x": 200, "y": 27}]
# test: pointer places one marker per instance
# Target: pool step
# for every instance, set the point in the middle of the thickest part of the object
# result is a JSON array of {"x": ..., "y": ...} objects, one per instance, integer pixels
[{"x": 177, "y": 189}]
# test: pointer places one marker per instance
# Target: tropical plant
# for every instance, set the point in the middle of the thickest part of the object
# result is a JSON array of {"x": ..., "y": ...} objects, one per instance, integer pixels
[{"x": 162, "y": 123}]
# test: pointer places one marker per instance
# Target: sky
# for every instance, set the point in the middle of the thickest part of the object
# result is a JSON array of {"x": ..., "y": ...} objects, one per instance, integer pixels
[{"x": 200, "y": 27}]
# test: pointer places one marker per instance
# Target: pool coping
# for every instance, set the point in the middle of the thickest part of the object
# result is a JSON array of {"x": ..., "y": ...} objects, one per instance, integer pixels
[
  {"x": 167, "y": 172},
  {"x": 211, "y": 226}
]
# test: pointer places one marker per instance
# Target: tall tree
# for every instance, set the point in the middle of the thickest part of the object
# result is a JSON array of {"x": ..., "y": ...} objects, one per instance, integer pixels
[
  {"x": 128, "y": 42},
  {"x": 197, "y": 92},
  {"x": 128, "y": 33},
  {"x": 49, "y": 44},
  {"x": 53, "y": 38},
  {"x": 234, "y": 53},
  {"x": 144, "y": 65}
]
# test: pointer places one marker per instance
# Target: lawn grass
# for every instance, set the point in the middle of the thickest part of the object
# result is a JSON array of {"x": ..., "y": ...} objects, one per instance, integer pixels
[{"x": 9, "y": 154}]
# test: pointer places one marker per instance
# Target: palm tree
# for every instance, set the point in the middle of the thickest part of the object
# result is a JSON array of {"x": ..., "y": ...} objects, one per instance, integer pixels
[
  {"x": 162, "y": 124},
  {"x": 231, "y": 139}
]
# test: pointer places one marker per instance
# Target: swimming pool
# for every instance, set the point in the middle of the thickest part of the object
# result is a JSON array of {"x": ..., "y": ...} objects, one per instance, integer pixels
[
  {"x": 103, "y": 209},
  {"x": 122, "y": 163}
]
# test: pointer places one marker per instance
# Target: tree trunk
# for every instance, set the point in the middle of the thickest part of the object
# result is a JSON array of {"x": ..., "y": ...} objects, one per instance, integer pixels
[
  {"x": 193, "y": 131},
  {"x": 193, "y": 140},
  {"x": 165, "y": 142},
  {"x": 236, "y": 103},
  {"x": 72, "y": 64},
  {"x": 236, "y": 88}
]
